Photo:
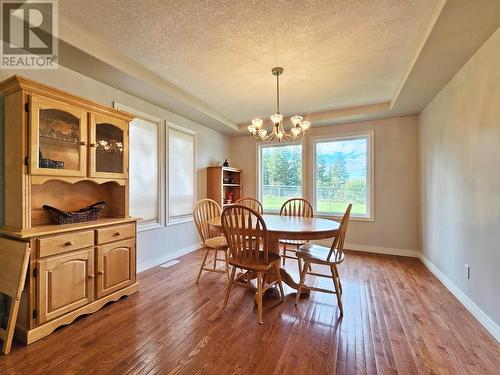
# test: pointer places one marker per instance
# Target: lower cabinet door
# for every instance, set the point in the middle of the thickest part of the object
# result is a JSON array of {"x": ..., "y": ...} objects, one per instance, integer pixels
[
  {"x": 115, "y": 266},
  {"x": 65, "y": 283}
]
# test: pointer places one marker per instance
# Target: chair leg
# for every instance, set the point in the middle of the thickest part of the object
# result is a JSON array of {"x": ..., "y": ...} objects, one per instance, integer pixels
[
  {"x": 280, "y": 283},
  {"x": 11, "y": 325},
  {"x": 299, "y": 262},
  {"x": 337, "y": 291},
  {"x": 229, "y": 286},
  {"x": 259, "y": 296},
  {"x": 284, "y": 254},
  {"x": 202, "y": 265},
  {"x": 226, "y": 258},
  {"x": 302, "y": 281},
  {"x": 338, "y": 278}
]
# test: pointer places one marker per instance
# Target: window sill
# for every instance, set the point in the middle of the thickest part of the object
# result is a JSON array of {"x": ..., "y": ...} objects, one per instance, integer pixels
[
  {"x": 339, "y": 217},
  {"x": 177, "y": 221}
]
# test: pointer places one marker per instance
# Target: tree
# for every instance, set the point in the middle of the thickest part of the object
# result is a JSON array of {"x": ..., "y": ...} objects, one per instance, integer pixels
[
  {"x": 340, "y": 175},
  {"x": 356, "y": 190}
]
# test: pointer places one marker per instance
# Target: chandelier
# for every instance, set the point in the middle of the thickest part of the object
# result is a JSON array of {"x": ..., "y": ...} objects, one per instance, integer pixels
[{"x": 278, "y": 132}]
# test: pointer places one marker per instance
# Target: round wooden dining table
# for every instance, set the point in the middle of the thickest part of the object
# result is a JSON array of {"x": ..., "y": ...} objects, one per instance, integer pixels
[{"x": 291, "y": 228}]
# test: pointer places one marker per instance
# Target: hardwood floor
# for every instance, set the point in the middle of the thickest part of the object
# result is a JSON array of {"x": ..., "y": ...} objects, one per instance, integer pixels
[{"x": 398, "y": 318}]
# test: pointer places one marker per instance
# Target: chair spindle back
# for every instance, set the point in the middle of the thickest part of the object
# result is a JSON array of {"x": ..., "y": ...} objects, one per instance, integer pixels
[
  {"x": 205, "y": 210},
  {"x": 246, "y": 234},
  {"x": 298, "y": 207},
  {"x": 338, "y": 242},
  {"x": 252, "y": 203}
]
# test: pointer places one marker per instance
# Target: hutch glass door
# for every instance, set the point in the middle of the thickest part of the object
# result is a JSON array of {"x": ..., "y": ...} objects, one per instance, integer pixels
[
  {"x": 58, "y": 137},
  {"x": 108, "y": 147}
]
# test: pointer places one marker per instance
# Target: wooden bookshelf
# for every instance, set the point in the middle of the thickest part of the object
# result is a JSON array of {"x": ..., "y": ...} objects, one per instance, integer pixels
[{"x": 222, "y": 180}]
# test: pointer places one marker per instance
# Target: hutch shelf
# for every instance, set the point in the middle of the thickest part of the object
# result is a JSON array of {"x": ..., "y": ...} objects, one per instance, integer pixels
[
  {"x": 67, "y": 152},
  {"x": 223, "y": 182}
]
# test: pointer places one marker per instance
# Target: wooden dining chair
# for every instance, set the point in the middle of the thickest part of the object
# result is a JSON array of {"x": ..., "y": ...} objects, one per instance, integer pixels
[
  {"x": 205, "y": 210},
  {"x": 14, "y": 262},
  {"x": 331, "y": 257},
  {"x": 298, "y": 207},
  {"x": 247, "y": 237},
  {"x": 252, "y": 203}
]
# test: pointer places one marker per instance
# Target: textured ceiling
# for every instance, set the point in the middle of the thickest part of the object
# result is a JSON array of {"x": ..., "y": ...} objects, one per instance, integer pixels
[{"x": 336, "y": 54}]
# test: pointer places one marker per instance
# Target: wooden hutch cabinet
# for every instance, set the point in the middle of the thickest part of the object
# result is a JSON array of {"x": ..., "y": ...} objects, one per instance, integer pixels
[{"x": 66, "y": 152}]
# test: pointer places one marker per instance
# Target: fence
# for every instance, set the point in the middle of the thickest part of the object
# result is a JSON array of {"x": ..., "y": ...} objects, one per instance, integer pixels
[{"x": 355, "y": 194}]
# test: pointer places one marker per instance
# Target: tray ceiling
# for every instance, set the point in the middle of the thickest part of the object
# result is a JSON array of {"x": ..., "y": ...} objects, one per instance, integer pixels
[{"x": 336, "y": 54}]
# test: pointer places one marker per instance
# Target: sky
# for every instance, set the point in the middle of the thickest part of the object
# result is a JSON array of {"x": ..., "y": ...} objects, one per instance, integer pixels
[{"x": 353, "y": 151}]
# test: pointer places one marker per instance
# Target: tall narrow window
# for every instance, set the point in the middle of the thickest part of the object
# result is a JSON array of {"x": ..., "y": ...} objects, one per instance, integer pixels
[
  {"x": 280, "y": 174},
  {"x": 181, "y": 173},
  {"x": 342, "y": 175},
  {"x": 144, "y": 172}
]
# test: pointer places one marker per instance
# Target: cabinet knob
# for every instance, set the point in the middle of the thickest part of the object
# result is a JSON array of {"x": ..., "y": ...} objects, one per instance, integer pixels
[
  {"x": 92, "y": 145},
  {"x": 100, "y": 272},
  {"x": 83, "y": 143},
  {"x": 91, "y": 276},
  {"x": 69, "y": 243},
  {"x": 116, "y": 234}
]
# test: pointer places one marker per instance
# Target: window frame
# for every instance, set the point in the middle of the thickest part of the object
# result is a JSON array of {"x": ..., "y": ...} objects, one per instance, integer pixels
[
  {"x": 175, "y": 220},
  {"x": 260, "y": 147},
  {"x": 370, "y": 173},
  {"x": 159, "y": 221}
]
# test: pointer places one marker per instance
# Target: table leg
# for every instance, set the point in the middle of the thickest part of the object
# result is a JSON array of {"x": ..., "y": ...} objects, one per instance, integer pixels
[{"x": 286, "y": 277}]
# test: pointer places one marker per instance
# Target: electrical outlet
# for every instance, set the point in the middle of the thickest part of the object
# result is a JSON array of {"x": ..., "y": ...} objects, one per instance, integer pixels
[{"x": 467, "y": 271}]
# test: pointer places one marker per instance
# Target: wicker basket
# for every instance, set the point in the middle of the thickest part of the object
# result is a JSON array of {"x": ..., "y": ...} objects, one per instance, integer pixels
[{"x": 88, "y": 213}]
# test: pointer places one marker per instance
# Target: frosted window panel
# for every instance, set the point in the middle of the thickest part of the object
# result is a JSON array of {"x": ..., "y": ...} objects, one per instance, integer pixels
[
  {"x": 144, "y": 170},
  {"x": 180, "y": 173}
]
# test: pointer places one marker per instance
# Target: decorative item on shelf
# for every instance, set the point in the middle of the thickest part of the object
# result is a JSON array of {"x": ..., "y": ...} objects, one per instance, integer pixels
[
  {"x": 110, "y": 146},
  {"x": 49, "y": 163},
  {"x": 229, "y": 197},
  {"x": 52, "y": 164},
  {"x": 278, "y": 132},
  {"x": 226, "y": 163},
  {"x": 59, "y": 131},
  {"x": 88, "y": 213}
]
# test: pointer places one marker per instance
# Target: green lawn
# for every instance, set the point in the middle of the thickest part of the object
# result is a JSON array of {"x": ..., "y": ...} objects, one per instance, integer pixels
[{"x": 274, "y": 203}]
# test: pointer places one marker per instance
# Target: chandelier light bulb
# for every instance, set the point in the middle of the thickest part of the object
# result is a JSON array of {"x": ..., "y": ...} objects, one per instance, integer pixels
[
  {"x": 257, "y": 123},
  {"x": 295, "y": 131},
  {"x": 305, "y": 125},
  {"x": 276, "y": 118},
  {"x": 296, "y": 120},
  {"x": 252, "y": 129},
  {"x": 263, "y": 132}
]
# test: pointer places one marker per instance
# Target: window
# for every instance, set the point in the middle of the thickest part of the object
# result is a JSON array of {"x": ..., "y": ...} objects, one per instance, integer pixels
[
  {"x": 342, "y": 172},
  {"x": 146, "y": 169},
  {"x": 181, "y": 174},
  {"x": 144, "y": 172},
  {"x": 280, "y": 174}
]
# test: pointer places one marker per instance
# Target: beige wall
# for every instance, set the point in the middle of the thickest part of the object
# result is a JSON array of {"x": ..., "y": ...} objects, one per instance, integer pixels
[
  {"x": 460, "y": 169},
  {"x": 212, "y": 148},
  {"x": 396, "y": 180}
]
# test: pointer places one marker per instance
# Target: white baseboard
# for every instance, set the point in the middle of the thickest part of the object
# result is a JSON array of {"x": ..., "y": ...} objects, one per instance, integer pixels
[
  {"x": 141, "y": 267},
  {"x": 374, "y": 249},
  {"x": 479, "y": 314}
]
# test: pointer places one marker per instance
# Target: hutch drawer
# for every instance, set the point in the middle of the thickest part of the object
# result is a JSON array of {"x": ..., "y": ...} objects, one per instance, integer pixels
[
  {"x": 115, "y": 233},
  {"x": 65, "y": 242}
]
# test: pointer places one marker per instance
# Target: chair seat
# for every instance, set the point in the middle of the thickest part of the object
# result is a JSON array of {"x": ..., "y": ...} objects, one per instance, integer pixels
[
  {"x": 318, "y": 254},
  {"x": 293, "y": 242},
  {"x": 216, "y": 243},
  {"x": 253, "y": 263}
]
